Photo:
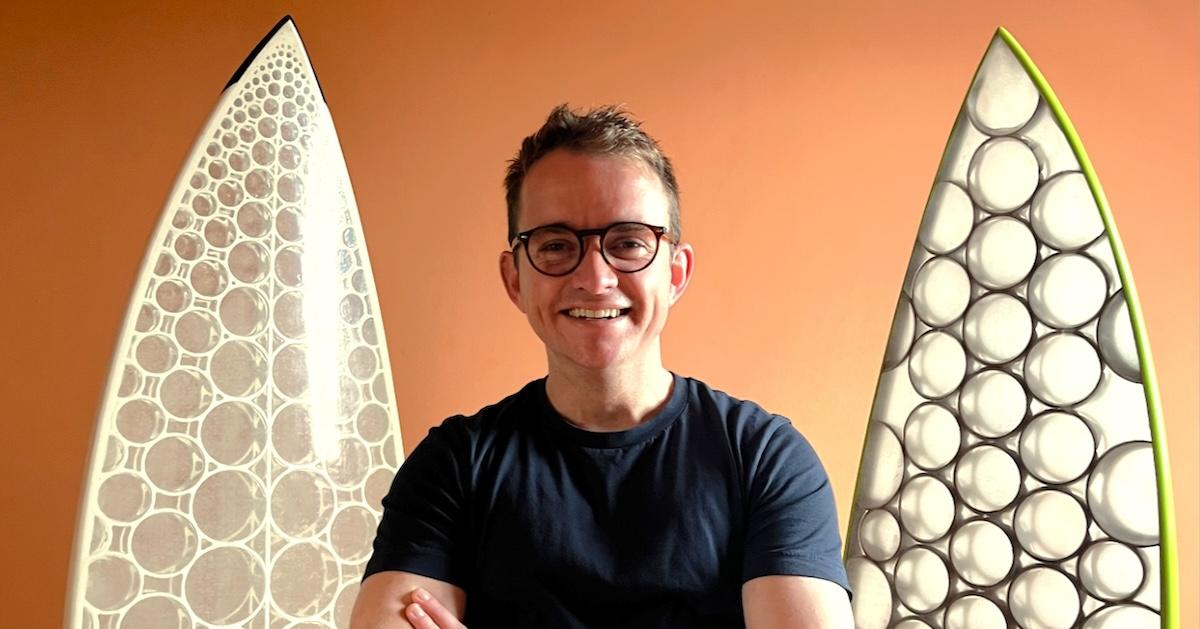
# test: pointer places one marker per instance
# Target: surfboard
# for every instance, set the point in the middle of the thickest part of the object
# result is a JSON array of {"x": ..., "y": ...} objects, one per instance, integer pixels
[
  {"x": 1014, "y": 470},
  {"x": 248, "y": 428}
]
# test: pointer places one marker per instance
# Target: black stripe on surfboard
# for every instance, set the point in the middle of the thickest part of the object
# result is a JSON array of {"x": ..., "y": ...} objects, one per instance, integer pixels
[{"x": 237, "y": 75}]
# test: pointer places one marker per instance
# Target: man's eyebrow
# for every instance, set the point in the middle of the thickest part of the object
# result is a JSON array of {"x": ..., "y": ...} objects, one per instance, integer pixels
[
  {"x": 570, "y": 225},
  {"x": 558, "y": 224}
]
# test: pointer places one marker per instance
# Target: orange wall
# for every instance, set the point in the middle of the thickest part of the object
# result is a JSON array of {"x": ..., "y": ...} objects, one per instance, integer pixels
[{"x": 806, "y": 136}]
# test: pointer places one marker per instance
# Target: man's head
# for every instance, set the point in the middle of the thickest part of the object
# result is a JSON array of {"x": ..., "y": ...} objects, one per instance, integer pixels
[
  {"x": 600, "y": 294},
  {"x": 601, "y": 131}
]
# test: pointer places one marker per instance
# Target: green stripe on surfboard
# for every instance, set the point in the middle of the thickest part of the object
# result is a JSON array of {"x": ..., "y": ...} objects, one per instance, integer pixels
[
  {"x": 953, "y": 350},
  {"x": 1166, "y": 507}
]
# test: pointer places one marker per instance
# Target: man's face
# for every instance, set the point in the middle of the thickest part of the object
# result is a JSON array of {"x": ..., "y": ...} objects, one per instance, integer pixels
[{"x": 587, "y": 192}]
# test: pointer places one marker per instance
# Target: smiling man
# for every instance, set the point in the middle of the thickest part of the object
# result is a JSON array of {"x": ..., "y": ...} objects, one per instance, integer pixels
[{"x": 612, "y": 492}]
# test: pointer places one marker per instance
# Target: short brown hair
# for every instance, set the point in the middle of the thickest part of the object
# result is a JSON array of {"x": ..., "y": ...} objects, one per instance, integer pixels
[{"x": 606, "y": 130}]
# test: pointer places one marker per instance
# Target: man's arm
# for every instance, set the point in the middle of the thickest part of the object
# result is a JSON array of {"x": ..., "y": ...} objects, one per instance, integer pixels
[
  {"x": 421, "y": 530},
  {"x": 383, "y": 597},
  {"x": 795, "y": 602}
]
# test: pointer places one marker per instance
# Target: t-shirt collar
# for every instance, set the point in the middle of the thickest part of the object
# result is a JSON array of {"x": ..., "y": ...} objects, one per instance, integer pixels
[{"x": 644, "y": 431}]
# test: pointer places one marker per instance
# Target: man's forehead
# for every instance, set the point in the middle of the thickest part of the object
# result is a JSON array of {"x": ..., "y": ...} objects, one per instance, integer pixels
[{"x": 582, "y": 191}]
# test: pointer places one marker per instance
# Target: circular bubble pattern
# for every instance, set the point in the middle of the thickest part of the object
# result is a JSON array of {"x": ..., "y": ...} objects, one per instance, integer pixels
[
  {"x": 215, "y": 400},
  {"x": 879, "y": 534},
  {"x": 941, "y": 291},
  {"x": 1115, "y": 337},
  {"x": 997, "y": 328},
  {"x": 1003, "y": 174},
  {"x": 1110, "y": 570},
  {"x": 112, "y": 583},
  {"x": 1001, "y": 252},
  {"x": 987, "y": 478},
  {"x": 992, "y": 403},
  {"x": 974, "y": 612},
  {"x": 1002, "y": 98},
  {"x": 926, "y": 508},
  {"x": 931, "y": 436},
  {"x": 301, "y": 579},
  {"x": 1057, "y": 447},
  {"x": 922, "y": 580},
  {"x": 1117, "y": 494},
  {"x": 1044, "y": 597},
  {"x": 1050, "y": 524},
  {"x": 1064, "y": 213},
  {"x": 233, "y": 433},
  {"x": 241, "y": 585},
  {"x": 160, "y": 612},
  {"x": 1123, "y": 617},
  {"x": 937, "y": 365},
  {"x": 1014, "y": 486},
  {"x": 981, "y": 553},
  {"x": 1062, "y": 369},
  {"x": 1067, "y": 290},
  {"x": 164, "y": 542}
]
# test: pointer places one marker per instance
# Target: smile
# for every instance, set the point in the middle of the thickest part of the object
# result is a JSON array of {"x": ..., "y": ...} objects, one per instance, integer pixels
[{"x": 603, "y": 313}]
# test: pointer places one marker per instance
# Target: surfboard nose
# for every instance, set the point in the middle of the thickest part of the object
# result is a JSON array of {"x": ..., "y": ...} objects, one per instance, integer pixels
[{"x": 284, "y": 30}]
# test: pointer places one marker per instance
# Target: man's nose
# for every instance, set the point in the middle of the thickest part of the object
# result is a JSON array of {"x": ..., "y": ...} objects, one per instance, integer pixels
[{"x": 594, "y": 273}]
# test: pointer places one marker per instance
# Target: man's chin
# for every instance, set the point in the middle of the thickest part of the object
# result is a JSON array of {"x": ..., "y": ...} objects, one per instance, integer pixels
[{"x": 594, "y": 359}]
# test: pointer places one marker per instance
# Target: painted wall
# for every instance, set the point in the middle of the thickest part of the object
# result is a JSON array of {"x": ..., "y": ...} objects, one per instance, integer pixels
[{"x": 806, "y": 136}]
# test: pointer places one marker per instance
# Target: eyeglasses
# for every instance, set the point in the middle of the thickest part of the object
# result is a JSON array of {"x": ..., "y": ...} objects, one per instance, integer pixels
[{"x": 556, "y": 250}]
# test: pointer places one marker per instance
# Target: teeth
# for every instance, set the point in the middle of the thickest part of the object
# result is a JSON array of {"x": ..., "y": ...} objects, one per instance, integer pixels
[{"x": 583, "y": 313}]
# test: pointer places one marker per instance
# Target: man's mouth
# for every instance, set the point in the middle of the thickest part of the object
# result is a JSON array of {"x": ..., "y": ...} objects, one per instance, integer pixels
[{"x": 602, "y": 313}]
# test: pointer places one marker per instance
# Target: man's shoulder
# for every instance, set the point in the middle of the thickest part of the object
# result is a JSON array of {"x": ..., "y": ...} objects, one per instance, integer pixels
[
  {"x": 731, "y": 409},
  {"x": 747, "y": 425},
  {"x": 504, "y": 414}
]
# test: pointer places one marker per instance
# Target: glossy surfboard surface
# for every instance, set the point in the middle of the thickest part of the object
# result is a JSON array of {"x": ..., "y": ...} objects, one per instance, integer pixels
[
  {"x": 248, "y": 429},
  {"x": 1014, "y": 471}
]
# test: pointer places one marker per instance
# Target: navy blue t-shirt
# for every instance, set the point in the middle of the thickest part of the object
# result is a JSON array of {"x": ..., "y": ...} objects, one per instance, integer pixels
[{"x": 543, "y": 524}]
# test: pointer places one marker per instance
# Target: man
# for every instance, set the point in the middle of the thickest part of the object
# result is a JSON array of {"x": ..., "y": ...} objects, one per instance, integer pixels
[{"x": 611, "y": 493}]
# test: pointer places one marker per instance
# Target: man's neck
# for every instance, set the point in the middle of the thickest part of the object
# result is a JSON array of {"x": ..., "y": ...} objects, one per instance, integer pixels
[{"x": 609, "y": 400}]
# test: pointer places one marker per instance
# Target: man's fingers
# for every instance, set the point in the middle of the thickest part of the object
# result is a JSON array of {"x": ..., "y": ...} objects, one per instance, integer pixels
[
  {"x": 433, "y": 608},
  {"x": 418, "y": 617}
]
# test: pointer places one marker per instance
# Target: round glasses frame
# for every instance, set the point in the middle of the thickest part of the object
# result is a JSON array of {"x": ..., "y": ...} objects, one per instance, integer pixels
[{"x": 580, "y": 234}]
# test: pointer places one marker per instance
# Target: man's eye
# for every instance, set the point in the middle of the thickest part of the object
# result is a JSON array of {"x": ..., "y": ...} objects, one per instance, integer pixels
[
  {"x": 555, "y": 246},
  {"x": 629, "y": 249}
]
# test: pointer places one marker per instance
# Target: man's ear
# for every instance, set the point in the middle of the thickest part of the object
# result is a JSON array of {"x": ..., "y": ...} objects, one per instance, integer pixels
[
  {"x": 683, "y": 262},
  {"x": 510, "y": 277}
]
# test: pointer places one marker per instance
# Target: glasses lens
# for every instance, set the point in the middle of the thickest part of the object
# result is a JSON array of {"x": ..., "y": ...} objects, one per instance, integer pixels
[
  {"x": 630, "y": 246},
  {"x": 553, "y": 250}
]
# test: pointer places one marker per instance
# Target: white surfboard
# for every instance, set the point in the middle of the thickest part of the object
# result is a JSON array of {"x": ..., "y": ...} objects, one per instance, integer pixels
[
  {"x": 248, "y": 429},
  {"x": 1015, "y": 471}
]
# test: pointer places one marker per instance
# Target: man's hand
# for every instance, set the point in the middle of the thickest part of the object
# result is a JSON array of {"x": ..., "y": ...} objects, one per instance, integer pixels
[{"x": 426, "y": 612}]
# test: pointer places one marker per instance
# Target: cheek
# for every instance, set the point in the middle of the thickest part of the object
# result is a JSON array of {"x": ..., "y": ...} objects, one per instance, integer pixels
[
  {"x": 653, "y": 296},
  {"x": 536, "y": 296}
]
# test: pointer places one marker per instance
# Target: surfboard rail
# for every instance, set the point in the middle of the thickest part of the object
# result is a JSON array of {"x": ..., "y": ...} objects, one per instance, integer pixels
[{"x": 1011, "y": 165}]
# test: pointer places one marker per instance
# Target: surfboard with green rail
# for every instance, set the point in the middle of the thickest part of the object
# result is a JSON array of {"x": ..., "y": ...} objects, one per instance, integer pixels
[{"x": 1014, "y": 471}]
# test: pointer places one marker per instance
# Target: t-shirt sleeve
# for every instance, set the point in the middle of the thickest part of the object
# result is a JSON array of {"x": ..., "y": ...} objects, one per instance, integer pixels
[
  {"x": 423, "y": 529},
  {"x": 792, "y": 525}
]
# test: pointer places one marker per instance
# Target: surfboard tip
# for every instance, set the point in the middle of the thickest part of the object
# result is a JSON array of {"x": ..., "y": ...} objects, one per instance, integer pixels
[{"x": 286, "y": 21}]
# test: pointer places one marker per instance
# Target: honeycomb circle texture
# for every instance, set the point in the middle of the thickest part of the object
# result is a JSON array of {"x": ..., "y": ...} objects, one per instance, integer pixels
[
  {"x": 250, "y": 413},
  {"x": 1009, "y": 473}
]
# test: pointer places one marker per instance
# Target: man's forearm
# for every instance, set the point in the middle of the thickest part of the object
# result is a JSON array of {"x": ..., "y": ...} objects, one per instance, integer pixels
[{"x": 385, "y": 598}]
